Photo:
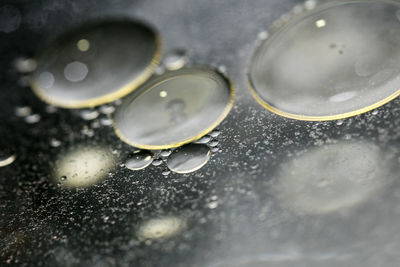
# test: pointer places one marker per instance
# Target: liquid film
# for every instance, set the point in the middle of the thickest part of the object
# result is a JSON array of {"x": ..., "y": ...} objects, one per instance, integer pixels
[
  {"x": 95, "y": 63},
  {"x": 189, "y": 158},
  {"x": 335, "y": 61},
  {"x": 333, "y": 177},
  {"x": 173, "y": 109}
]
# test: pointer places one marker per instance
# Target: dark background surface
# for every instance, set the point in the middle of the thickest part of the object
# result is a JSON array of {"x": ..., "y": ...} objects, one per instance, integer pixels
[{"x": 229, "y": 212}]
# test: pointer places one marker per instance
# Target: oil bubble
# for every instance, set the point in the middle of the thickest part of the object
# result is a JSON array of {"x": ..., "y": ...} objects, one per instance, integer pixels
[
  {"x": 189, "y": 158},
  {"x": 344, "y": 61},
  {"x": 197, "y": 99}
]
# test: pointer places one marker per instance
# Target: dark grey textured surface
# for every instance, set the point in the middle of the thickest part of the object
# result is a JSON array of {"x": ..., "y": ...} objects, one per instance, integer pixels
[{"x": 230, "y": 212}]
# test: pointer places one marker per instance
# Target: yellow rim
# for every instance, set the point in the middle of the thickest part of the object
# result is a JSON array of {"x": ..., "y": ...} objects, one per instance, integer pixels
[
  {"x": 123, "y": 91},
  {"x": 289, "y": 115},
  {"x": 225, "y": 113}
]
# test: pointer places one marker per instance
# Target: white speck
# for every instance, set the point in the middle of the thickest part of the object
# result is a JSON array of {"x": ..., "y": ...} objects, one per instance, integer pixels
[
  {"x": 31, "y": 119},
  {"x": 212, "y": 205},
  {"x": 320, "y": 23}
]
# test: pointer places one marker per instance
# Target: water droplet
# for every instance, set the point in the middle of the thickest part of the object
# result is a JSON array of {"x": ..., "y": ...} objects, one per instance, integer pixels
[
  {"x": 63, "y": 178},
  {"x": 166, "y": 172},
  {"x": 23, "y": 111},
  {"x": 324, "y": 84},
  {"x": 212, "y": 205},
  {"x": 107, "y": 109},
  {"x": 175, "y": 59},
  {"x": 213, "y": 143},
  {"x": 165, "y": 153},
  {"x": 32, "y": 119},
  {"x": 333, "y": 177},
  {"x": 76, "y": 71},
  {"x": 215, "y": 149},
  {"x": 7, "y": 157},
  {"x": 139, "y": 160},
  {"x": 197, "y": 100},
  {"x": 339, "y": 122},
  {"x": 80, "y": 75},
  {"x": 188, "y": 158},
  {"x": 157, "y": 162},
  {"x": 55, "y": 143},
  {"x": 215, "y": 133},
  {"x": 204, "y": 140},
  {"x": 375, "y": 112},
  {"x": 89, "y": 114},
  {"x": 10, "y": 18},
  {"x": 106, "y": 121}
]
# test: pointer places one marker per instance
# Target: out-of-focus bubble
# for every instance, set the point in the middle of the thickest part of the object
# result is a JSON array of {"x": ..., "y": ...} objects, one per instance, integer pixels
[
  {"x": 331, "y": 62},
  {"x": 161, "y": 228},
  {"x": 83, "y": 166},
  {"x": 25, "y": 65},
  {"x": 95, "y": 63},
  {"x": 189, "y": 158},
  {"x": 174, "y": 109},
  {"x": 333, "y": 177},
  {"x": 175, "y": 59}
]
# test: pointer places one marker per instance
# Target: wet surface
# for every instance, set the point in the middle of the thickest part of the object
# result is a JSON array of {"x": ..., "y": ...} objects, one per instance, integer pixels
[{"x": 236, "y": 209}]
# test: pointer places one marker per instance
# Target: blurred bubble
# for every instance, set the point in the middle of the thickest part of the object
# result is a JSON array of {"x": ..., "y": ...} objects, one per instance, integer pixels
[{"x": 160, "y": 228}]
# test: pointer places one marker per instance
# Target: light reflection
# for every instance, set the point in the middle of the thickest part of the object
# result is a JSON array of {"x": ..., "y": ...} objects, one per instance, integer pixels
[
  {"x": 161, "y": 228},
  {"x": 320, "y": 23},
  {"x": 333, "y": 177},
  {"x": 83, "y": 166}
]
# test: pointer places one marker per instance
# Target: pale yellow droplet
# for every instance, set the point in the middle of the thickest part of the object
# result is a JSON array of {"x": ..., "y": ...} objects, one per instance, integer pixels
[
  {"x": 320, "y": 23},
  {"x": 163, "y": 94},
  {"x": 83, "y": 45}
]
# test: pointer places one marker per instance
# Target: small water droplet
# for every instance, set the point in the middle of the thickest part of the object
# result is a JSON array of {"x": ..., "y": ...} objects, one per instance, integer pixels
[
  {"x": 106, "y": 121},
  {"x": 7, "y": 157},
  {"x": 107, "y": 109},
  {"x": 157, "y": 162},
  {"x": 166, "y": 172},
  {"x": 139, "y": 160},
  {"x": 175, "y": 59},
  {"x": 63, "y": 178},
  {"x": 263, "y": 35},
  {"x": 213, "y": 143},
  {"x": 215, "y": 149},
  {"x": 212, "y": 205},
  {"x": 339, "y": 122},
  {"x": 375, "y": 112},
  {"x": 215, "y": 133},
  {"x": 165, "y": 153},
  {"x": 32, "y": 119},
  {"x": 89, "y": 114},
  {"x": 204, "y": 140},
  {"x": 188, "y": 158}
]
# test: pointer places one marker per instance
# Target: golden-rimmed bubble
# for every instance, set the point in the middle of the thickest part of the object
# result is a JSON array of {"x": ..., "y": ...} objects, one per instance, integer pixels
[
  {"x": 335, "y": 60},
  {"x": 96, "y": 63},
  {"x": 175, "y": 108}
]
